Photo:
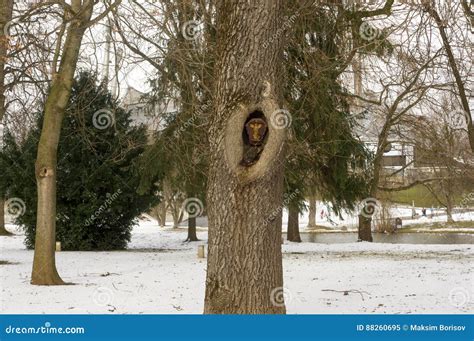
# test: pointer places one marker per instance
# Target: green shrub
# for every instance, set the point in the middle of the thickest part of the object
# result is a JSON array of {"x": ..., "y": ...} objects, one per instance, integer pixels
[{"x": 97, "y": 201}]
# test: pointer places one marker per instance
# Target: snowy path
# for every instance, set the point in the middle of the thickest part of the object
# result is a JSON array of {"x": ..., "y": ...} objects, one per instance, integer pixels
[{"x": 161, "y": 274}]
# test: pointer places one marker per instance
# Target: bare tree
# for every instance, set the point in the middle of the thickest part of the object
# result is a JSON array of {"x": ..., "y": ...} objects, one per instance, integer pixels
[
  {"x": 441, "y": 151},
  {"x": 442, "y": 24},
  {"x": 402, "y": 93},
  {"x": 6, "y": 10},
  {"x": 181, "y": 75},
  {"x": 76, "y": 19}
]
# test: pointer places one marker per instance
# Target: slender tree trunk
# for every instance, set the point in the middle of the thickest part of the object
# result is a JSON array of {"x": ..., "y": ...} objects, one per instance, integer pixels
[
  {"x": 159, "y": 213},
  {"x": 312, "y": 212},
  {"x": 365, "y": 222},
  {"x": 44, "y": 264},
  {"x": 293, "y": 233},
  {"x": 3, "y": 230},
  {"x": 6, "y": 10},
  {"x": 244, "y": 269},
  {"x": 162, "y": 214},
  {"x": 192, "y": 236},
  {"x": 449, "y": 209},
  {"x": 365, "y": 229},
  {"x": 176, "y": 213}
]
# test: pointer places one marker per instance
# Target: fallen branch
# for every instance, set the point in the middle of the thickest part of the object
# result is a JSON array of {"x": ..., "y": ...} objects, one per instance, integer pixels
[{"x": 346, "y": 292}]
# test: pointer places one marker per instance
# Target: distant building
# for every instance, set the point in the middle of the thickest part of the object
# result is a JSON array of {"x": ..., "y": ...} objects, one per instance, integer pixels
[{"x": 142, "y": 112}]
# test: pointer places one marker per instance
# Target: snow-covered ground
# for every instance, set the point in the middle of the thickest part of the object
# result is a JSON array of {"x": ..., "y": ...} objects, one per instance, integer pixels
[{"x": 162, "y": 274}]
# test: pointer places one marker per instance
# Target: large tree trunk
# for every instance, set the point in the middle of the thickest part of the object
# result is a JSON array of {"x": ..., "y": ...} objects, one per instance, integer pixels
[
  {"x": 365, "y": 229},
  {"x": 293, "y": 233},
  {"x": 44, "y": 264},
  {"x": 244, "y": 269},
  {"x": 192, "y": 236},
  {"x": 312, "y": 212}
]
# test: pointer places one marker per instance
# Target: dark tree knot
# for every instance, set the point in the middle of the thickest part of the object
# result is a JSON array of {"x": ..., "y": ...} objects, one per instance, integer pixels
[{"x": 45, "y": 172}]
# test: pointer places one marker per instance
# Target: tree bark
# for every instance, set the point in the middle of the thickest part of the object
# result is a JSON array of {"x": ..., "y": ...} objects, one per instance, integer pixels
[
  {"x": 176, "y": 212},
  {"x": 44, "y": 264},
  {"x": 6, "y": 10},
  {"x": 192, "y": 236},
  {"x": 293, "y": 233},
  {"x": 312, "y": 212},
  {"x": 161, "y": 213},
  {"x": 365, "y": 229},
  {"x": 449, "y": 209},
  {"x": 3, "y": 230},
  {"x": 244, "y": 269}
]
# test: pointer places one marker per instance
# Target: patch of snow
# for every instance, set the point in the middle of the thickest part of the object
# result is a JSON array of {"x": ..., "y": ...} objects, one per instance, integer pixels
[{"x": 160, "y": 273}]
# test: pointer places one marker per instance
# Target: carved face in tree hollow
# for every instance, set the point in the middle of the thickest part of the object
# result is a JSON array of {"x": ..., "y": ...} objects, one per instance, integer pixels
[
  {"x": 254, "y": 133},
  {"x": 256, "y": 129}
]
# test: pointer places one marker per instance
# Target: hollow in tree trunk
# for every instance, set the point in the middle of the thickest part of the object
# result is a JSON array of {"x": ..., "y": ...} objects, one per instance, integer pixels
[
  {"x": 293, "y": 225},
  {"x": 192, "y": 237},
  {"x": 244, "y": 268}
]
